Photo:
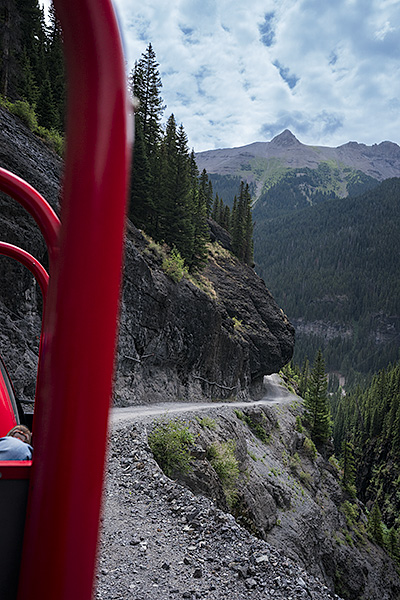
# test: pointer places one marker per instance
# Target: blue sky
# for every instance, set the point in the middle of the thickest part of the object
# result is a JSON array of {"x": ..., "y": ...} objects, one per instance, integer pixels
[{"x": 239, "y": 72}]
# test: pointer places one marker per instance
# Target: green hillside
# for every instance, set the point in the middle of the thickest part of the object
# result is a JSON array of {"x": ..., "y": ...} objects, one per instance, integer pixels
[
  {"x": 334, "y": 268},
  {"x": 293, "y": 189}
]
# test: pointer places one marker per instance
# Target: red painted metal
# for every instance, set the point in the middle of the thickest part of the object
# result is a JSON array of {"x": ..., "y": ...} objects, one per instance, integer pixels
[
  {"x": 15, "y": 469},
  {"x": 28, "y": 261},
  {"x": 41, "y": 276},
  {"x": 8, "y": 415},
  {"x": 37, "y": 207},
  {"x": 76, "y": 373}
]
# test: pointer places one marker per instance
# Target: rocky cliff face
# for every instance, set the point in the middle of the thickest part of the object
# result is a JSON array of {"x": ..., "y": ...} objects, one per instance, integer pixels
[
  {"x": 290, "y": 495},
  {"x": 216, "y": 337}
]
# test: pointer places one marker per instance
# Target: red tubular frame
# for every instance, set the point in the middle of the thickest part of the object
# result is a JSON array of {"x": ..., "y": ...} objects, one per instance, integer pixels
[
  {"x": 76, "y": 371},
  {"x": 26, "y": 259},
  {"x": 8, "y": 419},
  {"x": 40, "y": 274},
  {"x": 37, "y": 207}
]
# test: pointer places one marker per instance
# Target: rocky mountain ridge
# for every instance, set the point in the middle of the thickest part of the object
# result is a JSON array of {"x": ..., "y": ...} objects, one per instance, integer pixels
[
  {"x": 256, "y": 161},
  {"x": 264, "y": 164}
]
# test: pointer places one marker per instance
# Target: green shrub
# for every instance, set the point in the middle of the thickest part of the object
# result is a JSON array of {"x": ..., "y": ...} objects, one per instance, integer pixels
[
  {"x": 295, "y": 462},
  {"x": 174, "y": 266},
  {"x": 299, "y": 426},
  {"x": 309, "y": 448},
  {"x": 334, "y": 462},
  {"x": 170, "y": 443},
  {"x": 26, "y": 112},
  {"x": 237, "y": 323},
  {"x": 223, "y": 460},
  {"x": 351, "y": 513},
  {"x": 206, "y": 422},
  {"x": 255, "y": 426},
  {"x": 305, "y": 478},
  {"x": 154, "y": 248},
  {"x": 53, "y": 138},
  {"x": 23, "y": 110}
]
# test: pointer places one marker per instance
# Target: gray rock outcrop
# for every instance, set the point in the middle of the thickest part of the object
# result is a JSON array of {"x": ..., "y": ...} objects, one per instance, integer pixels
[{"x": 289, "y": 495}]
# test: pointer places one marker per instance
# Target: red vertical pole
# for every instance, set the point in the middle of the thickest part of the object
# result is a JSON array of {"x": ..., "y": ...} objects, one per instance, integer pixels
[{"x": 75, "y": 379}]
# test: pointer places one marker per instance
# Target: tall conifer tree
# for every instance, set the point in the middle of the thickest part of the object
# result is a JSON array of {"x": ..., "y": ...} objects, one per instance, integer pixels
[{"x": 316, "y": 403}]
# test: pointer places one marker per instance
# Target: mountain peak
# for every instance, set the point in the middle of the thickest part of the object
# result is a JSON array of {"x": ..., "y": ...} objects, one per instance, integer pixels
[{"x": 285, "y": 139}]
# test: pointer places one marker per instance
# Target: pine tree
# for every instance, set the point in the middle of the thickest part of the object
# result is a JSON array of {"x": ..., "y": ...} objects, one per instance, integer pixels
[
  {"x": 56, "y": 68},
  {"x": 241, "y": 228},
  {"x": 28, "y": 88},
  {"x": 237, "y": 229},
  {"x": 248, "y": 251},
  {"x": 46, "y": 109},
  {"x": 10, "y": 36},
  {"x": 199, "y": 219},
  {"x": 145, "y": 84},
  {"x": 215, "y": 208},
  {"x": 305, "y": 373},
  {"x": 374, "y": 524},
  {"x": 392, "y": 544},
  {"x": 349, "y": 469},
  {"x": 316, "y": 403},
  {"x": 209, "y": 197},
  {"x": 141, "y": 206},
  {"x": 226, "y": 217},
  {"x": 147, "y": 177},
  {"x": 33, "y": 37}
]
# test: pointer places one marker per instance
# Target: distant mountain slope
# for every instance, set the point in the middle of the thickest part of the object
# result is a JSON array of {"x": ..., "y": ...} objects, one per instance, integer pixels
[
  {"x": 334, "y": 267},
  {"x": 264, "y": 163}
]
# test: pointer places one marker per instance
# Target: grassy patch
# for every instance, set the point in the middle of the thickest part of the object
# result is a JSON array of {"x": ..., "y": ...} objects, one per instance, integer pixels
[
  {"x": 255, "y": 426},
  {"x": 27, "y": 114},
  {"x": 174, "y": 266},
  {"x": 223, "y": 460},
  {"x": 309, "y": 448},
  {"x": 170, "y": 443},
  {"x": 206, "y": 422}
]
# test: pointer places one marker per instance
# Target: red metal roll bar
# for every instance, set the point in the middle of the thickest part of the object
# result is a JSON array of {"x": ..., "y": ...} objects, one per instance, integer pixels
[
  {"x": 41, "y": 276},
  {"x": 37, "y": 270},
  {"x": 76, "y": 370},
  {"x": 37, "y": 207}
]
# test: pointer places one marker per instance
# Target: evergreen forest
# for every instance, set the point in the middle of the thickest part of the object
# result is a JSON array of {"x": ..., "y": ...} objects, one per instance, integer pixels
[
  {"x": 32, "y": 70},
  {"x": 170, "y": 200},
  {"x": 367, "y": 423},
  {"x": 360, "y": 433},
  {"x": 334, "y": 267}
]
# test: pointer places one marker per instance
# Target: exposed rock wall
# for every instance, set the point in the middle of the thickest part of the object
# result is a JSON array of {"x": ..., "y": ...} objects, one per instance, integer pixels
[
  {"x": 290, "y": 496},
  {"x": 176, "y": 340}
]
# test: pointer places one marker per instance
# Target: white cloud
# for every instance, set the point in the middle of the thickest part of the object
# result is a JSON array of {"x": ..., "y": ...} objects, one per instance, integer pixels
[{"x": 237, "y": 72}]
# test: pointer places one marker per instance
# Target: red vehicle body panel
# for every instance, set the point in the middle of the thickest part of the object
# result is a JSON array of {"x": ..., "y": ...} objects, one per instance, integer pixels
[
  {"x": 8, "y": 413},
  {"x": 14, "y": 469},
  {"x": 77, "y": 358}
]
